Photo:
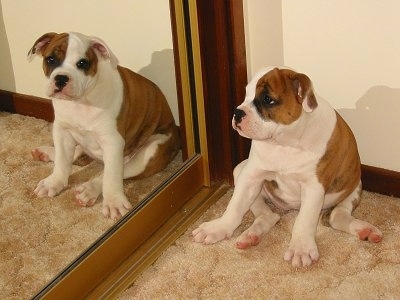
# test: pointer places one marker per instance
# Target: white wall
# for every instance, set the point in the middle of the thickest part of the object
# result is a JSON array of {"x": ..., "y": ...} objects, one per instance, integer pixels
[
  {"x": 138, "y": 32},
  {"x": 351, "y": 51},
  {"x": 263, "y": 34}
]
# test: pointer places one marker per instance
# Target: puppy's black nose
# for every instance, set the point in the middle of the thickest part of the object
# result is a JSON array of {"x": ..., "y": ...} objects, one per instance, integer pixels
[
  {"x": 61, "y": 81},
  {"x": 238, "y": 115}
]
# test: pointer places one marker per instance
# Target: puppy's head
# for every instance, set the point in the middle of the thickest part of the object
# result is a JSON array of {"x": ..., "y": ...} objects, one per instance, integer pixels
[
  {"x": 70, "y": 62},
  {"x": 275, "y": 99}
]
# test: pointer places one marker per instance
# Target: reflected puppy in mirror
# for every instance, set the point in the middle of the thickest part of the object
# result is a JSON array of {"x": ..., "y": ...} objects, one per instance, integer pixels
[
  {"x": 303, "y": 156},
  {"x": 106, "y": 111}
]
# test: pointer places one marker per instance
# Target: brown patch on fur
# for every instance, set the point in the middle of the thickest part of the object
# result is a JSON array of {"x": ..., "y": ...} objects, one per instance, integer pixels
[
  {"x": 93, "y": 60},
  {"x": 281, "y": 84},
  {"x": 302, "y": 82},
  {"x": 339, "y": 169},
  {"x": 42, "y": 43},
  {"x": 51, "y": 44},
  {"x": 146, "y": 113}
]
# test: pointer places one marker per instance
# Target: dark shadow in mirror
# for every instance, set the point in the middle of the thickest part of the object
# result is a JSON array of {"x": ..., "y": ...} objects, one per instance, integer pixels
[{"x": 160, "y": 61}]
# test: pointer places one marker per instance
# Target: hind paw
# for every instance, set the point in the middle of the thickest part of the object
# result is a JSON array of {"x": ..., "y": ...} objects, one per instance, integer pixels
[
  {"x": 370, "y": 234},
  {"x": 43, "y": 153}
]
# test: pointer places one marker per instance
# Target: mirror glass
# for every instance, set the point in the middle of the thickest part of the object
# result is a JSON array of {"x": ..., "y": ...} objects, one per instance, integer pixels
[{"x": 46, "y": 234}]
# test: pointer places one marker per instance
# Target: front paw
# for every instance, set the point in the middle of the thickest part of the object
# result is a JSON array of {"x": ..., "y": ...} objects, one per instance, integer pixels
[
  {"x": 50, "y": 186},
  {"x": 302, "y": 253},
  {"x": 213, "y": 231},
  {"x": 114, "y": 207}
]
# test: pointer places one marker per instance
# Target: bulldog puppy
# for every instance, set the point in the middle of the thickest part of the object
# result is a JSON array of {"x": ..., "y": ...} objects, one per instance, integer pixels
[
  {"x": 303, "y": 156},
  {"x": 106, "y": 111}
]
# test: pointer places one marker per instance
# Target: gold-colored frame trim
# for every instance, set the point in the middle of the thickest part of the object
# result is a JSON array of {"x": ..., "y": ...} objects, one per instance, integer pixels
[
  {"x": 199, "y": 88},
  {"x": 182, "y": 36},
  {"x": 112, "y": 263},
  {"x": 185, "y": 76}
]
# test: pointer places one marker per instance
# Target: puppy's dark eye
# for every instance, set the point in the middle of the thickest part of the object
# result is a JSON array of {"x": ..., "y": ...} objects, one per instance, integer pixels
[
  {"x": 51, "y": 61},
  {"x": 83, "y": 64},
  {"x": 268, "y": 100}
]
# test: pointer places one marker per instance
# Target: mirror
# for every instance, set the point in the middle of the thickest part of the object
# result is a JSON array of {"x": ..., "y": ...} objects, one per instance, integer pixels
[{"x": 139, "y": 33}]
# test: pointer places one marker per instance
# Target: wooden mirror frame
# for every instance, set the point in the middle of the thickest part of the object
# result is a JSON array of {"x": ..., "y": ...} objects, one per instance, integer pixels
[{"x": 209, "y": 49}]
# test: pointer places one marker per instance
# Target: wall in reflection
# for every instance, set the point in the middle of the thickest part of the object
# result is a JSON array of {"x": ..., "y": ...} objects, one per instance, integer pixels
[{"x": 138, "y": 32}]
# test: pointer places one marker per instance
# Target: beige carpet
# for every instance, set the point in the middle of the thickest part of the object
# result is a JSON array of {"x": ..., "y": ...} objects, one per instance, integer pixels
[
  {"x": 347, "y": 269},
  {"x": 40, "y": 236}
]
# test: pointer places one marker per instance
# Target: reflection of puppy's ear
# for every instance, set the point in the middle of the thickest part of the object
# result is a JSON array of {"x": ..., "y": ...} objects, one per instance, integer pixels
[
  {"x": 305, "y": 95},
  {"x": 40, "y": 45},
  {"x": 103, "y": 51}
]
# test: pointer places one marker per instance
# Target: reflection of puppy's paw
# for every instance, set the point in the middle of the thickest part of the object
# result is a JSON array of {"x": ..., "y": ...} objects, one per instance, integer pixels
[
  {"x": 116, "y": 206},
  {"x": 212, "y": 231},
  {"x": 43, "y": 153},
  {"x": 87, "y": 193},
  {"x": 302, "y": 253},
  {"x": 50, "y": 186}
]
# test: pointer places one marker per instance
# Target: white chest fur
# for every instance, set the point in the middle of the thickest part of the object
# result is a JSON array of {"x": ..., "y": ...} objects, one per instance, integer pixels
[{"x": 89, "y": 126}]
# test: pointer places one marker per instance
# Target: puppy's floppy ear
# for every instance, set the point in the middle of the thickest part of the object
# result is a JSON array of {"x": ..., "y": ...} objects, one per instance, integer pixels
[
  {"x": 40, "y": 45},
  {"x": 103, "y": 51},
  {"x": 305, "y": 95}
]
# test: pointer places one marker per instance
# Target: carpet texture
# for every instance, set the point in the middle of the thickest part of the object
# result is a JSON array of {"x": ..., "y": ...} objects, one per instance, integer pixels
[
  {"x": 347, "y": 268},
  {"x": 41, "y": 236}
]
